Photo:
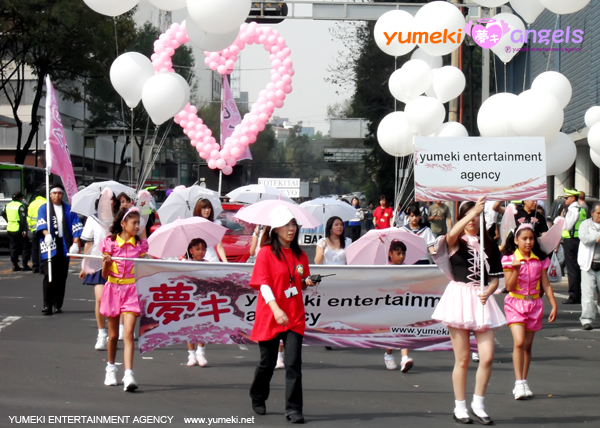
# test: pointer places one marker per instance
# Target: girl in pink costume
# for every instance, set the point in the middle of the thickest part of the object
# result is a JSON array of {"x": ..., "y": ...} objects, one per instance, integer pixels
[
  {"x": 526, "y": 273},
  {"x": 119, "y": 295}
]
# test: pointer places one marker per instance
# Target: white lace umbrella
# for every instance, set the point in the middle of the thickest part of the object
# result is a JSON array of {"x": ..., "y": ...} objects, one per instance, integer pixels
[
  {"x": 181, "y": 203},
  {"x": 84, "y": 201},
  {"x": 256, "y": 193}
]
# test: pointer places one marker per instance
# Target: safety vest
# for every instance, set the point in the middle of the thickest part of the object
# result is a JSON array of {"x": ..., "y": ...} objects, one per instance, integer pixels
[
  {"x": 32, "y": 212},
  {"x": 575, "y": 232},
  {"x": 12, "y": 216}
]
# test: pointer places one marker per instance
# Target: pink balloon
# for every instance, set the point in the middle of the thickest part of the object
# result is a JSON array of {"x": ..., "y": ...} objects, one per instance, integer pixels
[
  {"x": 271, "y": 39},
  {"x": 227, "y": 170},
  {"x": 286, "y": 78},
  {"x": 276, "y": 63},
  {"x": 275, "y": 49},
  {"x": 191, "y": 134},
  {"x": 221, "y": 163},
  {"x": 222, "y": 69},
  {"x": 278, "y": 103},
  {"x": 251, "y": 138},
  {"x": 279, "y": 94},
  {"x": 287, "y": 89},
  {"x": 263, "y": 118},
  {"x": 262, "y": 39},
  {"x": 215, "y": 154},
  {"x": 245, "y": 140},
  {"x": 214, "y": 56},
  {"x": 213, "y": 65},
  {"x": 231, "y": 161},
  {"x": 236, "y": 152},
  {"x": 282, "y": 71},
  {"x": 261, "y": 127},
  {"x": 254, "y": 129},
  {"x": 275, "y": 77},
  {"x": 287, "y": 63},
  {"x": 271, "y": 95},
  {"x": 224, "y": 153},
  {"x": 212, "y": 164},
  {"x": 183, "y": 123}
]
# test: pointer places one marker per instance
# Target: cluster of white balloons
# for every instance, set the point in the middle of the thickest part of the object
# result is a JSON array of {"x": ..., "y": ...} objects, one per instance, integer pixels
[
  {"x": 424, "y": 114},
  {"x": 592, "y": 121},
  {"x": 538, "y": 111},
  {"x": 212, "y": 25},
  {"x": 531, "y": 9}
]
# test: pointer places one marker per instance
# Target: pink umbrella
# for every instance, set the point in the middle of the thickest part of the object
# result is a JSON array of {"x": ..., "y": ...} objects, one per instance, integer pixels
[
  {"x": 373, "y": 247},
  {"x": 258, "y": 213},
  {"x": 172, "y": 240}
]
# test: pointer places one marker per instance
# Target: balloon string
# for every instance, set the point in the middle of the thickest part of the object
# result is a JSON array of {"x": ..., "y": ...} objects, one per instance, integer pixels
[
  {"x": 505, "y": 79},
  {"x": 556, "y": 27},
  {"x": 526, "y": 59}
]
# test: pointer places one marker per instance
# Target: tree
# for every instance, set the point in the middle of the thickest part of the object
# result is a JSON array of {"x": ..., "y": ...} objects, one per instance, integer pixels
[
  {"x": 61, "y": 38},
  {"x": 106, "y": 107}
]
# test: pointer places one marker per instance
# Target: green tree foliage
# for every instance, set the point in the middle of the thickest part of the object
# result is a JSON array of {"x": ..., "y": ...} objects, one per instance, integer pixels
[{"x": 61, "y": 38}]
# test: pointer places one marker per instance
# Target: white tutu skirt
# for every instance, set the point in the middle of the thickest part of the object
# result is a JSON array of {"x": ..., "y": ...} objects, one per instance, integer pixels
[{"x": 460, "y": 307}]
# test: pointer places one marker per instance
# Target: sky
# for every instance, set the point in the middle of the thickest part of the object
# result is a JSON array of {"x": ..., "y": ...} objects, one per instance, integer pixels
[{"x": 313, "y": 51}]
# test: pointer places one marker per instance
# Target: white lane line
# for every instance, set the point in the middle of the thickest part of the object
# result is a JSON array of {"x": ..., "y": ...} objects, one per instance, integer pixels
[{"x": 7, "y": 321}]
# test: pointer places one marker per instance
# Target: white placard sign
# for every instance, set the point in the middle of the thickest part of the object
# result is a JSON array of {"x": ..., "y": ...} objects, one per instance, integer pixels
[
  {"x": 289, "y": 186},
  {"x": 464, "y": 169}
]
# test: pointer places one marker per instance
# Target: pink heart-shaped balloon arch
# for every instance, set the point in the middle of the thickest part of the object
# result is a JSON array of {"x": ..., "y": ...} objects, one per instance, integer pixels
[{"x": 225, "y": 157}]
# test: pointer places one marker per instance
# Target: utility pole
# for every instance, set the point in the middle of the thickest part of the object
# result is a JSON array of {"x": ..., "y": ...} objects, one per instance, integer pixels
[{"x": 455, "y": 61}]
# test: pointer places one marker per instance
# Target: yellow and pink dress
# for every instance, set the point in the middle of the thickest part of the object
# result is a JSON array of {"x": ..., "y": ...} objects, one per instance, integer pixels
[{"x": 119, "y": 294}]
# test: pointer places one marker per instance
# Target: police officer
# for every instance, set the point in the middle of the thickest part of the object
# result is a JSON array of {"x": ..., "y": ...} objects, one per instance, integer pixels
[
  {"x": 32, "y": 216},
  {"x": 574, "y": 215},
  {"x": 15, "y": 214}
]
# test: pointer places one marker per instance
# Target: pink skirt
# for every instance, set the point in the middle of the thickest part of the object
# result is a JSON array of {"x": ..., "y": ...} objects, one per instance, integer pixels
[
  {"x": 461, "y": 308},
  {"x": 117, "y": 299}
]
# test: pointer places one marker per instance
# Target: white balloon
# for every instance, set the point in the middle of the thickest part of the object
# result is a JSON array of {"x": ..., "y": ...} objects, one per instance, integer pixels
[
  {"x": 491, "y": 3},
  {"x": 529, "y": 10},
  {"x": 391, "y": 23},
  {"x": 506, "y": 48},
  {"x": 536, "y": 113},
  {"x": 424, "y": 115},
  {"x": 563, "y": 7},
  {"x": 592, "y": 116},
  {"x": 394, "y": 136},
  {"x": 448, "y": 83},
  {"x": 493, "y": 117},
  {"x": 439, "y": 17},
  {"x": 593, "y": 138},
  {"x": 219, "y": 16},
  {"x": 556, "y": 84},
  {"x": 430, "y": 92},
  {"x": 433, "y": 61},
  {"x": 396, "y": 88},
  {"x": 111, "y": 7},
  {"x": 451, "y": 129},
  {"x": 208, "y": 41},
  {"x": 128, "y": 74},
  {"x": 560, "y": 154},
  {"x": 415, "y": 77},
  {"x": 164, "y": 95},
  {"x": 595, "y": 158},
  {"x": 169, "y": 4}
]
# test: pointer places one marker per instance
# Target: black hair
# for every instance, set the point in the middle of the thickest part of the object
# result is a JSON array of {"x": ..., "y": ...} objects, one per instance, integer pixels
[
  {"x": 488, "y": 245},
  {"x": 116, "y": 227},
  {"x": 510, "y": 246},
  {"x": 396, "y": 245},
  {"x": 328, "y": 227},
  {"x": 273, "y": 241},
  {"x": 414, "y": 209},
  {"x": 193, "y": 243},
  {"x": 204, "y": 203}
]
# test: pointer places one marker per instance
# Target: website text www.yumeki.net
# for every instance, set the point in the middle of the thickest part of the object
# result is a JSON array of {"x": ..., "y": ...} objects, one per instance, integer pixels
[
  {"x": 215, "y": 421},
  {"x": 420, "y": 331}
]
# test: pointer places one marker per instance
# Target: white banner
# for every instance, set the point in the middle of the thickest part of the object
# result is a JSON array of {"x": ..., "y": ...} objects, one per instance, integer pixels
[
  {"x": 289, "y": 186},
  {"x": 464, "y": 169},
  {"x": 360, "y": 306}
]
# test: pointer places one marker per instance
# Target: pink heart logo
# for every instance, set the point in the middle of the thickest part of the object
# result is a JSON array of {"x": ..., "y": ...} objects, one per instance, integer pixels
[
  {"x": 486, "y": 37},
  {"x": 225, "y": 156}
]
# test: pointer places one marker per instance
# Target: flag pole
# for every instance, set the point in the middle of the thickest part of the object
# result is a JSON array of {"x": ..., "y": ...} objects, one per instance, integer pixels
[
  {"x": 482, "y": 262},
  {"x": 48, "y": 202},
  {"x": 221, "y": 128}
]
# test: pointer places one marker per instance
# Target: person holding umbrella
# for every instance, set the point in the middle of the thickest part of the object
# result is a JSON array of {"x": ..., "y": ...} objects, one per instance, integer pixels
[
  {"x": 205, "y": 210},
  {"x": 280, "y": 273}
]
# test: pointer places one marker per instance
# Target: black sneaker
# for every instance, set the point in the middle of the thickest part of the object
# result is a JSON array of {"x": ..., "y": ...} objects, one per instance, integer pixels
[
  {"x": 17, "y": 268},
  {"x": 47, "y": 311},
  {"x": 587, "y": 326},
  {"x": 26, "y": 268}
]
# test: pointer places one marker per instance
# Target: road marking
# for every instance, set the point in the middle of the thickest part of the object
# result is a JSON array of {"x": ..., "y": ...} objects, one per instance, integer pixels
[{"x": 7, "y": 321}]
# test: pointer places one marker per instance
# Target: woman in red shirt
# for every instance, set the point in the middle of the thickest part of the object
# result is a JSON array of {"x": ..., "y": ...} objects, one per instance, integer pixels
[
  {"x": 383, "y": 214},
  {"x": 280, "y": 273}
]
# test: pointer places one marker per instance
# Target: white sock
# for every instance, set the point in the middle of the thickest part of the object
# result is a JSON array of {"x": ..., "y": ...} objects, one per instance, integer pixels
[
  {"x": 478, "y": 407},
  {"x": 388, "y": 356},
  {"x": 519, "y": 382},
  {"x": 280, "y": 356},
  {"x": 128, "y": 372},
  {"x": 404, "y": 357},
  {"x": 102, "y": 332},
  {"x": 200, "y": 350},
  {"x": 460, "y": 409},
  {"x": 192, "y": 353},
  {"x": 110, "y": 367}
]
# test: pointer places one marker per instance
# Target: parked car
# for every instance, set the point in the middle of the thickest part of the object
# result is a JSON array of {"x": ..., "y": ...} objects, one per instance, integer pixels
[{"x": 237, "y": 240}]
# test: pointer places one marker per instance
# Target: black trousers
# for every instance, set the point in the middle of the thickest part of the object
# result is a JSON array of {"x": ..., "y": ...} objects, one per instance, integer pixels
[
  {"x": 54, "y": 292},
  {"x": 571, "y": 247},
  {"x": 260, "y": 388},
  {"x": 19, "y": 246},
  {"x": 353, "y": 232},
  {"x": 35, "y": 253}
]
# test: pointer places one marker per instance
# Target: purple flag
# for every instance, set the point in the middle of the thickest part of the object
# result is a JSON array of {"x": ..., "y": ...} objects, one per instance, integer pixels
[{"x": 230, "y": 116}]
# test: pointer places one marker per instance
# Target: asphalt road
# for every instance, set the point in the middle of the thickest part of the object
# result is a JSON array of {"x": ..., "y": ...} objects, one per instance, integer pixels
[{"x": 49, "y": 370}]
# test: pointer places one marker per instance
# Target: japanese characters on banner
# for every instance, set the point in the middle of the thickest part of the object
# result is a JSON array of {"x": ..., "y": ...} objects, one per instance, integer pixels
[
  {"x": 464, "y": 169},
  {"x": 368, "y": 307}
]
